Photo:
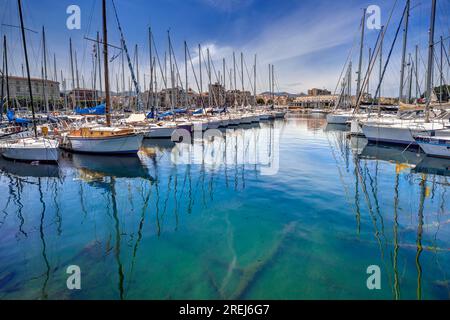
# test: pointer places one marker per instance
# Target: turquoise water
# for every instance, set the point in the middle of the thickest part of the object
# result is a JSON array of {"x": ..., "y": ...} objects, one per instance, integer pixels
[{"x": 154, "y": 228}]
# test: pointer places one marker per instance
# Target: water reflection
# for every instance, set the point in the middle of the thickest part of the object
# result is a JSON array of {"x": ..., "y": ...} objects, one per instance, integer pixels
[
  {"x": 406, "y": 164},
  {"x": 154, "y": 228}
]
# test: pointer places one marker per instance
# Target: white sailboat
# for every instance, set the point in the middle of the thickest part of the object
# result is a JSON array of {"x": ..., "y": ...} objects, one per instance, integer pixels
[
  {"x": 161, "y": 131},
  {"x": 342, "y": 117},
  {"x": 399, "y": 132},
  {"x": 33, "y": 148},
  {"x": 436, "y": 146}
]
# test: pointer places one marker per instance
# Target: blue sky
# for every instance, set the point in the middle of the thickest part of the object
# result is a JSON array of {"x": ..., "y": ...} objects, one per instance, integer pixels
[{"x": 308, "y": 41}]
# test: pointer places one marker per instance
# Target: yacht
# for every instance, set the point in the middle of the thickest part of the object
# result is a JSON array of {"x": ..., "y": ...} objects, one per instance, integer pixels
[
  {"x": 437, "y": 145},
  {"x": 32, "y": 149}
]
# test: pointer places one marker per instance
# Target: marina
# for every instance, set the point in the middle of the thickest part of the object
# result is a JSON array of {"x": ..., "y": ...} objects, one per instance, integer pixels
[
  {"x": 194, "y": 175},
  {"x": 239, "y": 234}
]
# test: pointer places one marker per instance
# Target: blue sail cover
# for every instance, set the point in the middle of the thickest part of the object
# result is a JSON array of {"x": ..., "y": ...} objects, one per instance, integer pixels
[
  {"x": 12, "y": 118},
  {"x": 152, "y": 115},
  {"x": 11, "y": 115},
  {"x": 219, "y": 111},
  {"x": 95, "y": 111},
  {"x": 198, "y": 111}
]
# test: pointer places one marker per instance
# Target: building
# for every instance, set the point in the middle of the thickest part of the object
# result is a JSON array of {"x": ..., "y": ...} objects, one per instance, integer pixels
[
  {"x": 276, "y": 99},
  {"x": 239, "y": 98},
  {"x": 84, "y": 97},
  {"x": 18, "y": 88},
  {"x": 318, "y": 92},
  {"x": 217, "y": 92},
  {"x": 315, "y": 102}
]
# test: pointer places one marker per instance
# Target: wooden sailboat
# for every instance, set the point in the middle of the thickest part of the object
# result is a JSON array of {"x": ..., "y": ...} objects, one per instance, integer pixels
[
  {"x": 34, "y": 148},
  {"x": 105, "y": 140}
]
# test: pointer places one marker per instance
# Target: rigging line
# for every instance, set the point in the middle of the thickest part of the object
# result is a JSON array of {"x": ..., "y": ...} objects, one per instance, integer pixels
[
  {"x": 248, "y": 74},
  {"x": 176, "y": 67},
  {"x": 159, "y": 62},
  {"x": 347, "y": 61},
  {"x": 83, "y": 61},
  {"x": 139, "y": 103},
  {"x": 390, "y": 52},
  {"x": 195, "y": 75},
  {"x": 441, "y": 73}
]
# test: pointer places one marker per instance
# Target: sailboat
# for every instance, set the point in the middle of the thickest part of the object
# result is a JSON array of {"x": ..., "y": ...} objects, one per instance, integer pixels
[
  {"x": 105, "y": 140},
  {"x": 436, "y": 146},
  {"x": 404, "y": 131},
  {"x": 33, "y": 148}
]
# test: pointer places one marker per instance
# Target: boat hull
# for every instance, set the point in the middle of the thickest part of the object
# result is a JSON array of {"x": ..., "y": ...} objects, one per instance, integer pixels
[
  {"x": 246, "y": 120},
  {"x": 128, "y": 144},
  {"x": 280, "y": 115},
  {"x": 214, "y": 124},
  {"x": 435, "y": 149},
  {"x": 19, "y": 151},
  {"x": 255, "y": 119},
  {"x": 234, "y": 121},
  {"x": 388, "y": 134},
  {"x": 160, "y": 133},
  {"x": 338, "y": 118},
  {"x": 266, "y": 117}
]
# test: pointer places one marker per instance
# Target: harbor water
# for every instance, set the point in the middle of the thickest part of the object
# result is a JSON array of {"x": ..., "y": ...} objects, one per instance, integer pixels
[{"x": 291, "y": 209}]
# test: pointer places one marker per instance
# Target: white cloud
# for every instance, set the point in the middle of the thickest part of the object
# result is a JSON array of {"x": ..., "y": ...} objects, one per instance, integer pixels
[{"x": 227, "y": 5}]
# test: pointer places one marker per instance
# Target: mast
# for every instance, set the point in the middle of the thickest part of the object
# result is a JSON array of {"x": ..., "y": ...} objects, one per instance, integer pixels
[
  {"x": 416, "y": 65},
  {"x": 358, "y": 87},
  {"x": 210, "y": 98},
  {"x": 137, "y": 63},
  {"x": 94, "y": 72},
  {"x": 410, "y": 73},
  {"x": 55, "y": 71},
  {"x": 74, "y": 102},
  {"x": 6, "y": 75},
  {"x": 99, "y": 65},
  {"x": 105, "y": 58},
  {"x": 381, "y": 70},
  {"x": 76, "y": 70},
  {"x": 65, "y": 90},
  {"x": 273, "y": 84},
  {"x": 270, "y": 81},
  {"x": 242, "y": 78},
  {"x": 201, "y": 75},
  {"x": 2, "y": 90},
  {"x": 55, "y": 74},
  {"x": 254, "y": 83},
  {"x": 405, "y": 40},
  {"x": 150, "y": 100},
  {"x": 235, "y": 80},
  {"x": 27, "y": 65},
  {"x": 157, "y": 98},
  {"x": 224, "y": 83},
  {"x": 137, "y": 71},
  {"x": 123, "y": 70},
  {"x": 430, "y": 60},
  {"x": 349, "y": 84},
  {"x": 441, "y": 72},
  {"x": 172, "y": 80},
  {"x": 368, "y": 71},
  {"x": 186, "y": 73},
  {"x": 45, "y": 69}
]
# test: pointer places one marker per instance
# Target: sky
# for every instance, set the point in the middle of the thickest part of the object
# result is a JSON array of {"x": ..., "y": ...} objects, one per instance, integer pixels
[{"x": 308, "y": 41}]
